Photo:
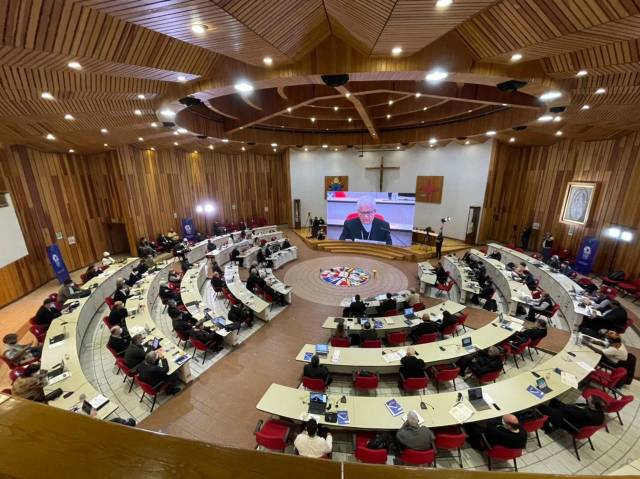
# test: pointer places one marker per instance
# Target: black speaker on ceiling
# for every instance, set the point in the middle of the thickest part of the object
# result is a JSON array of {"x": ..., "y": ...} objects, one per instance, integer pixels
[
  {"x": 189, "y": 101},
  {"x": 298, "y": 146},
  {"x": 520, "y": 127},
  {"x": 349, "y": 146},
  {"x": 251, "y": 143},
  {"x": 202, "y": 137},
  {"x": 405, "y": 143},
  {"x": 557, "y": 109},
  {"x": 511, "y": 85},
  {"x": 461, "y": 138},
  {"x": 168, "y": 124},
  {"x": 335, "y": 80}
]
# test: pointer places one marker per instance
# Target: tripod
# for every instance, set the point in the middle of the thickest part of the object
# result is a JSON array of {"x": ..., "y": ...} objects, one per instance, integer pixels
[{"x": 309, "y": 225}]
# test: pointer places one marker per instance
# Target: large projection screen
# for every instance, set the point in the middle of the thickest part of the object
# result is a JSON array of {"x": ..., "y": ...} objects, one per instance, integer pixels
[
  {"x": 12, "y": 245},
  {"x": 372, "y": 217}
]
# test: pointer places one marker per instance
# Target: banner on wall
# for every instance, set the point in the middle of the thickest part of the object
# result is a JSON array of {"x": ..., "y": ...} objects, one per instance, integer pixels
[
  {"x": 586, "y": 255},
  {"x": 57, "y": 263},
  {"x": 188, "y": 228}
]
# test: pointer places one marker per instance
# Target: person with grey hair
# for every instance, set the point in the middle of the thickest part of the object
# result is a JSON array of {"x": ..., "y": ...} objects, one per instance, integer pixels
[
  {"x": 366, "y": 226},
  {"x": 414, "y": 436},
  {"x": 117, "y": 342},
  {"x": 154, "y": 371}
]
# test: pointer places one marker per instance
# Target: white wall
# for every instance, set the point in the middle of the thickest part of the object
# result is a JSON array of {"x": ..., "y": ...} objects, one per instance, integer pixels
[
  {"x": 465, "y": 170},
  {"x": 12, "y": 245}
]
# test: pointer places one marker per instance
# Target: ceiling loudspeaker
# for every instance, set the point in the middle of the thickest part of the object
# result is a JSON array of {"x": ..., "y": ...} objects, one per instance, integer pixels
[
  {"x": 511, "y": 85},
  {"x": 405, "y": 143},
  {"x": 189, "y": 101},
  {"x": 557, "y": 109},
  {"x": 349, "y": 146},
  {"x": 520, "y": 127},
  {"x": 168, "y": 124},
  {"x": 461, "y": 138},
  {"x": 298, "y": 146},
  {"x": 251, "y": 143},
  {"x": 203, "y": 137},
  {"x": 335, "y": 80}
]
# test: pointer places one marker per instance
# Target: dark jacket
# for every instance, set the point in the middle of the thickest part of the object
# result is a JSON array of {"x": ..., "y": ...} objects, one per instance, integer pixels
[
  {"x": 367, "y": 334},
  {"x": 205, "y": 336},
  {"x": 357, "y": 308},
  {"x": 44, "y": 316},
  {"x": 483, "y": 363},
  {"x": 581, "y": 416},
  {"x": 498, "y": 435},
  {"x": 321, "y": 372},
  {"x": 154, "y": 373},
  {"x": 425, "y": 327},
  {"x": 119, "y": 345},
  {"x": 116, "y": 317},
  {"x": 387, "y": 305},
  {"x": 181, "y": 325},
  {"x": 353, "y": 229},
  {"x": 120, "y": 295},
  {"x": 412, "y": 367},
  {"x": 134, "y": 355}
]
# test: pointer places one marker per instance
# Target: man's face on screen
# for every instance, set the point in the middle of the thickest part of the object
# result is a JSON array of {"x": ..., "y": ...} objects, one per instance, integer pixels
[{"x": 366, "y": 214}]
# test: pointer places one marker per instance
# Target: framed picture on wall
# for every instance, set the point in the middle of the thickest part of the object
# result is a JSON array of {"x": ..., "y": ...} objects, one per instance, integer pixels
[{"x": 577, "y": 204}]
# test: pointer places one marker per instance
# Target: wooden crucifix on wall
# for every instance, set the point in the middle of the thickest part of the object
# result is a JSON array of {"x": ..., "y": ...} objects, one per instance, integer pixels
[{"x": 381, "y": 169}]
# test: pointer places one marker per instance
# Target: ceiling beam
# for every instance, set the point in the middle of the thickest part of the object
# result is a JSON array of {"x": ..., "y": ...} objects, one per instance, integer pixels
[{"x": 362, "y": 111}]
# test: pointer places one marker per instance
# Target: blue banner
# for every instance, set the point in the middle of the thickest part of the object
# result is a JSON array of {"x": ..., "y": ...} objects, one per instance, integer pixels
[
  {"x": 55, "y": 258},
  {"x": 188, "y": 228},
  {"x": 586, "y": 255}
]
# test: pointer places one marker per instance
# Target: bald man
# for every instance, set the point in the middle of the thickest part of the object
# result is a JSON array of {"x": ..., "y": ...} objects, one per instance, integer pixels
[
  {"x": 505, "y": 432},
  {"x": 366, "y": 226}
]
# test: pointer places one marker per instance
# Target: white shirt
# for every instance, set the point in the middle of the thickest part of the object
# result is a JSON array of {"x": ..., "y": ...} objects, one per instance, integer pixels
[
  {"x": 315, "y": 446},
  {"x": 616, "y": 355},
  {"x": 108, "y": 261}
]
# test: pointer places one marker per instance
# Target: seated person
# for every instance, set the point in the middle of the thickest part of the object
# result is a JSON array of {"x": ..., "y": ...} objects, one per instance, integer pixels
[
  {"x": 107, "y": 260},
  {"x": 117, "y": 315},
  {"x": 168, "y": 296},
  {"x": 425, "y": 327},
  {"x": 413, "y": 436},
  {"x": 505, "y": 432},
  {"x": 134, "y": 277},
  {"x": 175, "y": 275},
  {"x": 30, "y": 384},
  {"x": 135, "y": 352},
  {"x": 486, "y": 292},
  {"x": 164, "y": 241},
  {"x": 538, "y": 331},
  {"x": 340, "y": 332},
  {"x": 122, "y": 291},
  {"x": 598, "y": 301},
  {"x": 117, "y": 341},
  {"x": 614, "y": 319},
  {"x": 448, "y": 320},
  {"x": 543, "y": 305},
  {"x": 181, "y": 322},
  {"x": 217, "y": 282},
  {"x": 567, "y": 270},
  {"x": 154, "y": 371},
  {"x": 69, "y": 290},
  {"x": 441, "y": 274},
  {"x": 213, "y": 267},
  {"x": 412, "y": 366},
  {"x": 311, "y": 443},
  {"x": 413, "y": 298},
  {"x": 211, "y": 246},
  {"x": 17, "y": 353},
  {"x": 367, "y": 333},
  {"x": 47, "y": 313},
  {"x": 387, "y": 304},
  {"x": 185, "y": 264},
  {"x": 255, "y": 283},
  {"x": 145, "y": 248},
  {"x": 239, "y": 314},
  {"x": 482, "y": 362},
  {"x": 613, "y": 350},
  {"x": 234, "y": 254},
  {"x": 530, "y": 281},
  {"x": 91, "y": 272},
  {"x": 173, "y": 236},
  {"x": 357, "y": 308},
  {"x": 315, "y": 370},
  {"x": 495, "y": 255},
  {"x": 205, "y": 335},
  {"x": 578, "y": 415},
  {"x": 554, "y": 262},
  {"x": 285, "y": 243}
]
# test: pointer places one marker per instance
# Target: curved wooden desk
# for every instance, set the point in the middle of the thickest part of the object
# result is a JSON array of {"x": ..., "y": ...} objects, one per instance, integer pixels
[
  {"x": 239, "y": 291},
  {"x": 461, "y": 274}
]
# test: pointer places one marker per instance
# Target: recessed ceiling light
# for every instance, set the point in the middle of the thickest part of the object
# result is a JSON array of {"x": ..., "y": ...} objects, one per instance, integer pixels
[
  {"x": 430, "y": 146},
  {"x": 395, "y": 51},
  {"x": 281, "y": 126},
  {"x": 388, "y": 116},
  {"x": 243, "y": 149},
  {"x": 433, "y": 141},
  {"x": 600, "y": 91},
  {"x": 182, "y": 78},
  {"x": 181, "y": 130},
  {"x": 50, "y": 137},
  {"x": 559, "y": 133},
  {"x": 585, "y": 107},
  {"x": 335, "y": 108},
  {"x": 45, "y": 95},
  {"x": 274, "y": 145},
  {"x": 551, "y": 95},
  {"x": 267, "y": 61},
  {"x": 211, "y": 147},
  {"x": 243, "y": 87},
  {"x": 516, "y": 57},
  {"x": 504, "y": 104},
  {"x": 390, "y": 102},
  {"x": 175, "y": 143},
  {"x": 74, "y": 65},
  {"x": 167, "y": 112},
  {"x": 325, "y": 146},
  {"x": 313, "y": 119},
  {"x": 199, "y": 28},
  {"x": 512, "y": 140},
  {"x": 154, "y": 125},
  {"x": 289, "y": 109},
  {"x": 436, "y": 75},
  {"x": 424, "y": 108},
  {"x": 335, "y": 149},
  {"x": 141, "y": 96},
  {"x": 71, "y": 150},
  {"x": 443, "y": 3},
  {"x": 274, "y": 150},
  {"x": 69, "y": 116},
  {"x": 491, "y": 133},
  {"x": 153, "y": 149},
  {"x": 225, "y": 140},
  {"x": 469, "y": 111},
  {"x": 545, "y": 118},
  {"x": 306, "y": 149},
  {"x": 106, "y": 145},
  {"x": 467, "y": 142},
  {"x": 397, "y": 147},
  {"x": 104, "y": 131},
  {"x": 418, "y": 95},
  {"x": 137, "y": 112},
  {"x": 347, "y": 94},
  {"x": 195, "y": 152},
  {"x": 140, "y": 138},
  {"x": 373, "y": 134},
  {"x": 349, "y": 119},
  {"x": 422, "y": 121},
  {"x": 557, "y": 119},
  {"x": 582, "y": 73},
  {"x": 176, "y": 133}
]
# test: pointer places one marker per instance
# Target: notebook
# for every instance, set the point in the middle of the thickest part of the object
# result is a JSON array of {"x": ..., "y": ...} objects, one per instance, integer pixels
[{"x": 394, "y": 407}]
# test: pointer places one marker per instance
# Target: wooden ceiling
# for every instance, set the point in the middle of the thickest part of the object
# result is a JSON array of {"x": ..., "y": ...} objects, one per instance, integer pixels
[{"x": 140, "y": 57}]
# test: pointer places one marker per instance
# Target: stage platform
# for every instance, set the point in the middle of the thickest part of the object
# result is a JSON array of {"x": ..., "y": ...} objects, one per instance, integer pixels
[{"x": 415, "y": 252}]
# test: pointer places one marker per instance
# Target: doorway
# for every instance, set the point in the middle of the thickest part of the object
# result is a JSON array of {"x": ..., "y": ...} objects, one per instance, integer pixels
[
  {"x": 472, "y": 224},
  {"x": 117, "y": 238}
]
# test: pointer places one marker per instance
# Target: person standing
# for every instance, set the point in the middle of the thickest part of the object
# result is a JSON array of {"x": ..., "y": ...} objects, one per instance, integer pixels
[
  {"x": 547, "y": 246},
  {"x": 439, "y": 241},
  {"x": 524, "y": 239}
]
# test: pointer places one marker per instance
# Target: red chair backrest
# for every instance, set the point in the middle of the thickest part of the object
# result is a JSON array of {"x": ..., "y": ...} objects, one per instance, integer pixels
[
  {"x": 337, "y": 342},
  {"x": 447, "y": 374},
  {"x": 182, "y": 336},
  {"x": 391, "y": 312},
  {"x": 147, "y": 388},
  {"x": 418, "y": 307},
  {"x": 427, "y": 338},
  {"x": 449, "y": 441},
  {"x": 417, "y": 458},
  {"x": 521, "y": 348},
  {"x": 372, "y": 343},
  {"x": 113, "y": 352},
  {"x": 504, "y": 453},
  {"x": 617, "y": 404},
  {"x": 109, "y": 301},
  {"x": 587, "y": 431},
  {"x": 38, "y": 332},
  {"x": 32, "y": 320},
  {"x": 450, "y": 330},
  {"x": 534, "y": 424},
  {"x": 16, "y": 373},
  {"x": 536, "y": 294},
  {"x": 609, "y": 291},
  {"x": 396, "y": 337},
  {"x": 365, "y": 382},
  {"x": 413, "y": 384},
  {"x": 535, "y": 342},
  {"x": 105, "y": 320},
  {"x": 272, "y": 437},
  {"x": 489, "y": 377},
  {"x": 122, "y": 365},
  {"x": 314, "y": 384},
  {"x": 371, "y": 456},
  {"x": 199, "y": 345}
]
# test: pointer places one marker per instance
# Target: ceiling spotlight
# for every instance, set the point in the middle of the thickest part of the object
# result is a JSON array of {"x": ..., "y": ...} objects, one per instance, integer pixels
[
  {"x": 181, "y": 130},
  {"x": 349, "y": 119},
  {"x": 313, "y": 119},
  {"x": 243, "y": 149},
  {"x": 45, "y": 95},
  {"x": 267, "y": 61},
  {"x": 199, "y": 209},
  {"x": 585, "y": 107},
  {"x": 154, "y": 125},
  {"x": 289, "y": 109},
  {"x": 491, "y": 133},
  {"x": 424, "y": 108},
  {"x": 398, "y": 147},
  {"x": 106, "y": 145},
  {"x": 325, "y": 146},
  {"x": 512, "y": 140},
  {"x": 274, "y": 150},
  {"x": 559, "y": 133},
  {"x": 516, "y": 57},
  {"x": 433, "y": 141},
  {"x": 443, "y": 3},
  {"x": 467, "y": 142},
  {"x": 418, "y": 95},
  {"x": 388, "y": 116},
  {"x": 436, "y": 75},
  {"x": 168, "y": 113},
  {"x": 390, "y": 102},
  {"x": 274, "y": 145},
  {"x": 195, "y": 152},
  {"x": 175, "y": 143},
  {"x": 335, "y": 108},
  {"x": 211, "y": 147},
  {"x": 225, "y": 140},
  {"x": 306, "y": 149},
  {"x": 243, "y": 87},
  {"x": 557, "y": 119},
  {"x": 140, "y": 138},
  {"x": 50, "y": 137},
  {"x": 182, "y": 78},
  {"x": 141, "y": 97},
  {"x": 600, "y": 91},
  {"x": 137, "y": 112},
  {"x": 545, "y": 118},
  {"x": 395, "y": 51},
  {"x": 153, "y": 149},
  {"x": 550, "y": 95},
  {"x": 104, "y": 131},
  {"x": 347, "y": 94},
  {"x": 74, "y": 65},
  {"x": 335, "y": 149},
  {"x": 71, "y": 150},
  {"x": 176, "y": 133},
  {"x": 69, "y": 116},
  {"x": 199, "y": 28},
  {"x": 504, "y": 104},
  {"x": 581, "y": 73}
]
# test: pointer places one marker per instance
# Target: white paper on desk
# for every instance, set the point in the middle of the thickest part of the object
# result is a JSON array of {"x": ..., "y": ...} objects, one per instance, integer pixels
[
  {"x": 305, "y": 416},
  {"x": 488, "y": 398},
  {"x": 388, "y": 320},
  {"x": 335, "y": 357},
  {"x": 461, "y": 412},
  {"x": 584, "y": 366},
  {"x": 59, "y": 377},
  {"x": 56, "y": 345},
  {"x": 420, "y": 418},
  {"x": 193, "y": 310},
  {"x": 98, "y": 401},
  {"x": 569, "y": 379}
]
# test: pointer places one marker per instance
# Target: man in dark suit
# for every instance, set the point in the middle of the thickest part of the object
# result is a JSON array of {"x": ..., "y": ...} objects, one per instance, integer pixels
[
  {"x": 578, "y": 415},
  {"x": 206, "y": 336},
  {"x": 154, "y": 370},
  {"x": 315, "y": 370},
  {"x": 357, "y": 307},
  {"x": 117, "y": 315},
  {"x": 505, "y": 432},
  {"x": 366, "y": 226},
  {"x": 425, "y": 327},
  {"x": 482, "y": 362},
  {"x": 117, "y": 342},
  {"x": 411, "y": 366},
  {"x": 181, "y": 322},
  {"x": 387, "y": 304},
  {"x": 47, "y": 313},
  {"x": 367, "y": 333},
  {"x": 615, "y": 319},
  {"x": 135, "y": 353}
]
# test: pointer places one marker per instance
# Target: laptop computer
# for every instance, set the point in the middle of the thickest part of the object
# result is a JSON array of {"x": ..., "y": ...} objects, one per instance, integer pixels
[
  {"x": 317, "y": 403},
  {"x": 467, "y": 343},
  {"x": 322, "y": 349},
  {"x": 476, "y": 399},
  {"x": 541, "y": 384},
  {"x": 153, "y": 344},
  {"x": 408, "y": 313}
]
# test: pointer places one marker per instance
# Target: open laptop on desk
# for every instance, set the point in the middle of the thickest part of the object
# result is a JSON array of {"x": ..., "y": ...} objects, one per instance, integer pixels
[
  {"x": 467, "y": 344},
  {"x": 317, "y": 403},
  {"x": 409, "y": 313},
  {"x": 476, "y": 399}
]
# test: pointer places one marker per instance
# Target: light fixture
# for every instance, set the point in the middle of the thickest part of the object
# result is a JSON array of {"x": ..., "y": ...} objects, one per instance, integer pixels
[
  {"x": 274, "y": 145},
  {"x": 104, "y": 131},
  {"x": 181, "y": 130},
  {"x": 289, "y": 109},
  {"x": 467, "y": 142},
  {"x": 199, "y": 28},
  {"x": 585, "y": 107},
  {"x": 433, "y": 141},
  {"x": 106, "y": 145},
  {"x": 153, "y": 149},
  {"x": 306, "y": 149},
  {"x": 516, "y": 57},
  {"x": 418, "y": 95},
  {"x": 559, "y": 133},
  {"x": 504, "y": 104},
  {"x": 557, "y": 119},
  {"x": 313, "y": 119},
  {"x": 141, "y": 96},
  {"x": 600, "y": 91},
  {"x": 69, "y": 116},
  {"x": 436, "y": 75},
  {"x": 137, "y": 112},
  {"x": 581, "y": 73},
  {"x": 243, "y": 149},
  {"x": 424, "y": 108},
  {"x": 211, "y": 147},
  {"x": 140, "y": 138},
  {"x": 626, "y": 236},
  {"x": 398, "y": 147},
  {"x": 388, "y": 116},
  {"x": 175, "y": 143},
  {"x": 176, "y": 133},
  {"x": 195, "y": 152},
  {"x": 347, "y": 94},
  {"x": 243, "y": 87},
  {"x": 50, "y": 137},
  {"x": 325, "y": 146},
  {"x": 199, "y": 209},
  {"x": 395, "y": 51},
  {"x": 349, "y": 119},
  {"x": 225, "y": 140},
  {"x": 491, "y": 133},
  {"x": 550, "y": 95},
  {"x": 182, "y": 78},
  {"x": 71, "y": 150},
  {"x": 74, "y": 65},
  {"x": 45, "y": 95},
  {"x": 335, "y": 108},
  {"x": 443, "y": 3},
  {"x": 335, "y": 149},
  {"x": 267, "y": 61},
  {"x": 154, "y": 125},
  {"x": 390, "y": 102},
  {"x": 545, "y": 118},
  {"x": 168, "y": 113},
  {"x": 274, "y": 150},
  {"x": 613, "y": 232},
  {"x": 208, "y": 208}
]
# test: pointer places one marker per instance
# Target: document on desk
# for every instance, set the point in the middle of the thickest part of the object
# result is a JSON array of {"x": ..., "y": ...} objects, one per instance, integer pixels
[
  {"x": 461, "y": 412},
  {"x": 569, "y": 379},
  {"x": 388, "y": 320},
  {"x": 391, "y": 356},
  {"x": 394, "y": 407},
  {"x": 585, "y": 366},
  {"x": 343, "y": 418},
  {"x": 335, "y": 357}
]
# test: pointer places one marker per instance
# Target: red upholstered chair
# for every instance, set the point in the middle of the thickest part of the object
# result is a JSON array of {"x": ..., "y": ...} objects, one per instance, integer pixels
[
  {"x": 445, "y": 288},
  {"x": 584, "y": 282},
  {"x": 427, "y": 338},
  {"x": 488, "y": 377},
  {"x": 534, "y": 345},
  {"x": 364, "y": 454},
  {"x": 148, "y": 389},
  {"x": 534, "y": 425},
  {"x": 519, "y": 250},
  {"x": 514, "y": 351},
  {"x": 200, "y": 346},
  {"x": 317, "y": 385},
  {"x": 444, "y": 372},
  {"x": 537, "y": 256},
  {"x": 609, "y": 380},
  {"x": 450, "y": 330},
  {"x": 461, "y": 320},
  {"x": 105, "y": 320},
  {"x": 396, "y": 338},
  {"x": 536, "y": 294},
  {"x": 128, "y": 372},
  {"x": 501, "y": 453},
  {"x": 372, "y": 343},
  {"x": 414, "y": 384},
  {"x": 39, "y": 332},
  {"x": 272, "y": 435},
  {"x": 365, "y": 383},
  {"x": 109, "y": 301},
  {"x": 613, "y": 405},
  {"x": 391, "y": 312},
  {"x": 7, "y": 391},
  {"x": 337, "y": 342},
  {"x": 449, "y": 438},
  {"x": 610, "y": 292},
  {"x": 183, "y": 337},
  {"x": 581, "y": 434},
  {"x": 418, "y": 307},
  {"x": 412, "y": 457}
]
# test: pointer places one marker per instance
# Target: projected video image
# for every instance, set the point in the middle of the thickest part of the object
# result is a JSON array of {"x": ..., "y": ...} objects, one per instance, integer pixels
[{"x": 381, "y": 218}]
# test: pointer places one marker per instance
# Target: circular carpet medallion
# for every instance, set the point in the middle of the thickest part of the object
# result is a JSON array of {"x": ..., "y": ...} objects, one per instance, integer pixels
[{"x": 345, "y": 276}]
